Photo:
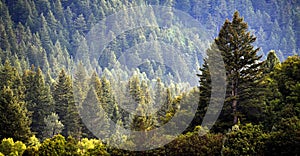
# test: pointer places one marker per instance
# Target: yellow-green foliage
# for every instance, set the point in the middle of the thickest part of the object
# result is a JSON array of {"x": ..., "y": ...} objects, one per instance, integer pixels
[
  {"x": 9, "y": 147},
  {"x": 247, "y": 140},
  {"x": 197, "y": 142},
  {"x": 90, "y": 147}
]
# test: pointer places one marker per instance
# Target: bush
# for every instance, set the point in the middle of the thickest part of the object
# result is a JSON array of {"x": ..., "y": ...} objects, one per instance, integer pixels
[
  {"x": 91, "y": 147},
  {"x": 285, "y": 138},
  {"x": 194, "y": 144},
  {"x": 247, "y": 140},
  {"x": 53, "y": 146},
  {"x": 9, "y": 147}
]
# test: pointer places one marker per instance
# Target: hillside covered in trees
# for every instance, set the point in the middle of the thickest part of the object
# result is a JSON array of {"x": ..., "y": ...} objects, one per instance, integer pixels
[{"x": 242, "y": 68}]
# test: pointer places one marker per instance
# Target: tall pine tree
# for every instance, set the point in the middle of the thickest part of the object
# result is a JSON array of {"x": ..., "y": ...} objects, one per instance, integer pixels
[
  {"x": 243, "y": 72},
  {"x": 65, "y": 105},
  {"x": 14, "y": 116},
  {"x": 15, "y": 121},
  {"x": 38, "y": 98}
]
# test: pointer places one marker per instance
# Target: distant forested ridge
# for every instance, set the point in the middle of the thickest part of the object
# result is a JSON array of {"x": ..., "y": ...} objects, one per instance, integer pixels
[{"x": 47, "y": 33}]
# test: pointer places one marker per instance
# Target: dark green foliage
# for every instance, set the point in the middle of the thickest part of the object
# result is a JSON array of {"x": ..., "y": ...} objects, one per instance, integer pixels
[
  {"x": 107, "y": 100},
  {"x": 243, "y": 72},
  {"x": 9, "y": 77},
  {"x": 15, "y": 121},
  {"x": 244, "y": 92},
  {"x": 288, "y": 78},
  {"x": 271, "y": 62},
  {"x": 285, "y": 137},
  {"x": 193, "y": 143},
  {"x": 282, "y": 94},
  {"x": 39, "y": 99},
  {"x": 53, "y": 146},
  {"x": 65, "y": 105},
  {"x": 204, "y": 95},
  {"x": 52, "y": 34},
  {"x": 245, "y": 140}
]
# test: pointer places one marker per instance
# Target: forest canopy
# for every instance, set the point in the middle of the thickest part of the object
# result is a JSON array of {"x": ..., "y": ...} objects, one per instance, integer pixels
[{"x": 52, "y": 103}]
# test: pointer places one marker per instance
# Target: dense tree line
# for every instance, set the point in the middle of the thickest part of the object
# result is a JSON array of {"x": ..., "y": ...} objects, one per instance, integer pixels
[
  {"x": 44, "y": 92},
  {"x": 47, "y": 33}
]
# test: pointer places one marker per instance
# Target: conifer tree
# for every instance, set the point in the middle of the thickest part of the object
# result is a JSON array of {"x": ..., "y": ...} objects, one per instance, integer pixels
[
  {"x": 58, "y": 12},
  {"x": 95, "y": 86},
  {"x": 142, "y": 120},
  {"x": 287, "y": 85},
  {"x": 96, "y": 83},
  {"x": 38, "y": 98},
  {"x": 135, "y": 90},
  {"x": 108, "y": 101},
  {"x": 52, "y": 126},
  {"x": 45, "y": 37},
  {"x": 80, "y": 24},
  {"x": 10, "y": 77},
  {"x": 159, "y": 92},
  {"x": 205, "y": 93},
  {"x": 80, "y": 84},
  {"x": 165, "y": 107},
  {"x": 65, "y": 105},
  {"x": 243, "y": 72},
  {"x": 94, "y": 119},
  {"x": 15, "y": 121},
  {"x": 272, "y": 94},
  {"x": 212, "y": 70},
  {"x": 271, "y": 62},
  {"x": 243, "y": 69}
]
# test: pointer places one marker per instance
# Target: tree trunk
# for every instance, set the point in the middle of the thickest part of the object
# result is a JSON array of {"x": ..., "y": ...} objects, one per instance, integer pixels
[{"x": 234, "y": 102}]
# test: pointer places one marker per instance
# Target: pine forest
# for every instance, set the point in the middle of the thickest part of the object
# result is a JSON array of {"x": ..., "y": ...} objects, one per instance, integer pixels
[{"x": 149, "y": 77}]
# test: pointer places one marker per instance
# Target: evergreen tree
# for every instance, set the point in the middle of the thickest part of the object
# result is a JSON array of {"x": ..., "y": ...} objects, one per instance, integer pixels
[
  {"x": 212, "y": 71},
  {"x": 4, "y": 40},
  {"x": 52, "y": 126},
  {"x": 272, "y": 94},
  {"x": 10, "y": 77},
  {"x": 96, "y": 83},
  {"x": 243, "y": 71},
  {"x": 284, "y": 88},
  {"x": 80, "y": 24},
  {"x": 142, "y": 121},
  {"x": 159, "y": 93},
  {"x": 94, "y": 118},
  {"x": 205, "y": 93},
  {"x": 108, "y": 101},
  {"x": 165, "y": 108},
  {"x": 80, "y": 84},
  {"x": 58, "y": 12},
  {"x": 65, "y": 105},
  {"x": 271, "y": 62},
  {"x": 38, "y": 98},
  {"x": 15, "y": 121},
  {"x": 45, "y": 35},
  {"x": 135, "y": 90}
]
